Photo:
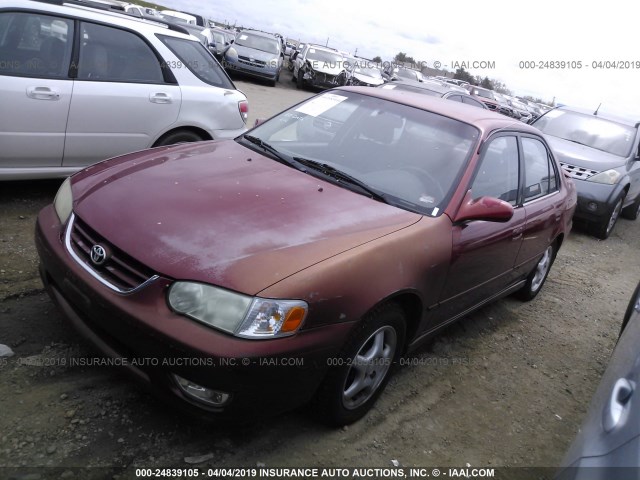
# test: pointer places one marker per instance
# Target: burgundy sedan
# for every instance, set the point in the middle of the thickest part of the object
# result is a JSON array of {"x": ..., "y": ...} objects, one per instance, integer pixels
[{"x": 299, "y": 261}]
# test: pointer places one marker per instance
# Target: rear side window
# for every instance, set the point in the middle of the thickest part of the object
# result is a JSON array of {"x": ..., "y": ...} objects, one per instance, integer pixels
[
  {"x": 35, "y": 45},
  {"x": 114, "y": 55},
  {"x": 539, "y": 174},
  {"x": 195, "y": 57}
]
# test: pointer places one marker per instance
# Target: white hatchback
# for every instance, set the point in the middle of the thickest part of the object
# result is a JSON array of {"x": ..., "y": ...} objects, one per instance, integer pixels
[{"x": 79, "y": 85}]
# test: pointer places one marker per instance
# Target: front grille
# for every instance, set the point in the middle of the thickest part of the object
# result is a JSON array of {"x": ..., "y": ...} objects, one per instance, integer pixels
[
  {"x": 578, "y": 172},
  {"x": 325, "y": 78},
  {"x": 253, "y": 63},
  {"x": 119, "y": 270}
]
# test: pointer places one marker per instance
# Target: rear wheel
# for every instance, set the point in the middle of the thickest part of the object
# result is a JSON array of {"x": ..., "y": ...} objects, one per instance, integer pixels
[
  {"x": 538, "y": 275},
  {"x": 181, "y": 136},
  {"x": 360, "y": 373},
  {"x": 603, "y": 229},
  {"x": 632, "y": 211}
]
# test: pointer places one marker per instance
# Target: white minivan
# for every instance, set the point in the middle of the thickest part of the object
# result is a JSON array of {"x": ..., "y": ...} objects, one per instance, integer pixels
[{"x": 79, "y": 85}]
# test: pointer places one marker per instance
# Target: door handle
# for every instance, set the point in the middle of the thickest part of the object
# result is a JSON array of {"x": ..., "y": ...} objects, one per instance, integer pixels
[
  {"x": 160, "y": 97},
  {"x": 618, "y": 404},
  {"x": 516, "y": 233},
  {"x": 42, "y": 93}
]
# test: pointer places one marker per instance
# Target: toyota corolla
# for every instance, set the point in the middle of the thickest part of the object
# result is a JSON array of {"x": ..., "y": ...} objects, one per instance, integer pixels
[{"x": 299, "y": 261}]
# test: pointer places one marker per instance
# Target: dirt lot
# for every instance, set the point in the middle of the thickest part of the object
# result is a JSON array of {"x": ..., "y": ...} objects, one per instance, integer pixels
[{"x": 508, "y": 386}]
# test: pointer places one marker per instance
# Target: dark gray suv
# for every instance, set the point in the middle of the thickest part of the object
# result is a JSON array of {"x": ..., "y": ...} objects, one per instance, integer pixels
[{"x": 601, "y": 154}]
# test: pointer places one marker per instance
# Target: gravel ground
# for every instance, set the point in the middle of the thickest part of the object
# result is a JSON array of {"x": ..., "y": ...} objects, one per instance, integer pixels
[{"x": 507, "y": 386}]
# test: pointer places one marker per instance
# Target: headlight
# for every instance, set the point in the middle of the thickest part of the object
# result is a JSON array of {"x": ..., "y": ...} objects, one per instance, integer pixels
[
  {"x": 63, "y": 203},
  {"x": 608, "y": 177},
  {"x": 240, "y": 315}
]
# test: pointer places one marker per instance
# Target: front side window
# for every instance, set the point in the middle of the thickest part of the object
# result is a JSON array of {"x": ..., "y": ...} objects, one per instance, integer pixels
[
  {"x": 35, "y": 45},
  {"x": 539, "y": 174},
  {"x": 195, "y": 57},
  {"x": 498, "y": 173},
  {"x": 113, "y": 55}
]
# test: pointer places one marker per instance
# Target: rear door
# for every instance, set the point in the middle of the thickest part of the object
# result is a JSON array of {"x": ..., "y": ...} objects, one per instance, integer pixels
[
  {"x": 484, "y": 253},
  {"x": 35, "y": 90},
  {"x": 543, "y": 203},
  {"x": 120, "y": 101}
]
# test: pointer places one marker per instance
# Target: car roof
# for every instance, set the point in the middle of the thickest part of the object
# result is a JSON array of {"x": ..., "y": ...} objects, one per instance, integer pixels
[
  {"x": 629, "y": 121},
  {"x": 485, "y": 120},
  {"x": 113, "y": 17}
]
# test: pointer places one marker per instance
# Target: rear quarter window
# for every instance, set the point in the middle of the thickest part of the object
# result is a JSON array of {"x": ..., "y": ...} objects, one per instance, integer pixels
[{"x": 194, "y": 56}]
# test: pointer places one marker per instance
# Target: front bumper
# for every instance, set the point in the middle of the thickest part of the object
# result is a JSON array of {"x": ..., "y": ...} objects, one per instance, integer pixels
[
  {"x": 263, "y": 377},
  {"x": 322, "y": 80},
  {"x": 595, "y": 200}
]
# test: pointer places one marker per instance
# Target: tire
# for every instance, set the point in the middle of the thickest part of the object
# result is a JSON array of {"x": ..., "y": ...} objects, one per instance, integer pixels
[
  {"x": 603, "y": 229},
  {"x": 538, "y": 275},
  {"x": 181, "y": 136},
  {"x": 631, "y": 212},
  {"x": 299, "y": 80},
  {"x": 350, "y": 388}
]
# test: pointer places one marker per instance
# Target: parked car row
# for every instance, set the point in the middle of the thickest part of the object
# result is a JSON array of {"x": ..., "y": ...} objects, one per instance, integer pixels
[{"x": 132, "y": 83}]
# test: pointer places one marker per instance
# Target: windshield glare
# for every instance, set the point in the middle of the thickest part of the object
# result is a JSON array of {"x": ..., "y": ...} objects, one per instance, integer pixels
[
  {"x": 588, "y": 130},
  {"x": 412, "y": 156}
]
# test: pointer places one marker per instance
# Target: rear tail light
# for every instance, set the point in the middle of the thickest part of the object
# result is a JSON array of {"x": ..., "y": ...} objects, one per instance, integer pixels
[{"x": 243, "y": 106}]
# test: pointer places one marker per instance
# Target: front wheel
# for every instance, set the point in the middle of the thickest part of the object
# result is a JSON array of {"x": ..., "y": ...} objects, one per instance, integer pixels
[
  {"x": 632, "y": 211},
  {"x": 357, "y": 377},
  {"x": 538, "y": 275},
  {"x": 603, "y": 229}
]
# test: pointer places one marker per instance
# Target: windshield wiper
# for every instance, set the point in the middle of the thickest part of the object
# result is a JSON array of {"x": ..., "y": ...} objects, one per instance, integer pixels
[
  {"x": 342, "y": 177},
  {"x": 272, "y": 150}
]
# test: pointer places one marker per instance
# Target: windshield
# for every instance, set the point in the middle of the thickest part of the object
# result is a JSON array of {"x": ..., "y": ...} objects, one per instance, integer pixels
[
  {"x": 412, "y": 157},
  {"x": 333, "y": 59},
  {"x": 481, "y": 92},
  {"x": 257, "y": 42},
  {"x": 594, "y": 132}
]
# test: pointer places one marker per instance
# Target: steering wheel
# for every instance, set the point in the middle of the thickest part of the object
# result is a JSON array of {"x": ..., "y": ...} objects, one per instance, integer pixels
[{"x": 431, "y": 183}]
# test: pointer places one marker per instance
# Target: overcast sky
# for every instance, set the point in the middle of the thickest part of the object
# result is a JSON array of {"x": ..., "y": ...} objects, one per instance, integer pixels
[{"x": 504, "y": 32}]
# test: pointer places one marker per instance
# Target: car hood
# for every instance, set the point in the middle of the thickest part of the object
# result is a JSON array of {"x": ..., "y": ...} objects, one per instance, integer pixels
[
  {"x": 220, "y": 213},
  {"x": 583, "y": 156},
  {"x": 367, "y": 79}
]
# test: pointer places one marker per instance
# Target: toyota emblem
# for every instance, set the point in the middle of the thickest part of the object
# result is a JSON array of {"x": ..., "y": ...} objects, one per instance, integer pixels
[{"x": 98, "y": 254}]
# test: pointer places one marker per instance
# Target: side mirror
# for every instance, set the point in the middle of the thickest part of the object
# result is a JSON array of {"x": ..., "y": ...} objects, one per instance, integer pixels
[{"x": 488, "y": 209}]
